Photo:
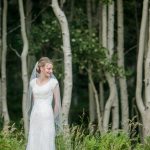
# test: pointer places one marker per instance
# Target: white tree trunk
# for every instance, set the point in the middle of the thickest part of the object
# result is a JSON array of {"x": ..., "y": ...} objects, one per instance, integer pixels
[
  {"x": 97, "y": 102},
  {"x": 101, "y": 97},
  {"x": 24, "y": 64},
  {"x": 111, "y": 80},
  {"x": 122, "y": 80},
  {"x": 139, "y": 99},
  {"x": 144, "y": 110},
  {"x": 92, "y": 106},
  {"x": 0, "y": 98},
  {"x": 92, "y": 110},
  {"x": 104, "y": 25},
  {"x": 0, "y": 58},
  {"x": 115, "y": 110},
  {"x": 115, "y": 113},
  {"x": 67, "y": 61},
  {"x": 146, "y": 114},
  {"x": 110, "y": 101},
  {"x": 3, "y": 67},
  {"x": 147, "y": 72},
  {"x": 101, "y": 90}
]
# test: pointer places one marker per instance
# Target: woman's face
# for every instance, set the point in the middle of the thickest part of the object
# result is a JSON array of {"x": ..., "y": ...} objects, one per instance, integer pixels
[{"x": 47, "y": 70}]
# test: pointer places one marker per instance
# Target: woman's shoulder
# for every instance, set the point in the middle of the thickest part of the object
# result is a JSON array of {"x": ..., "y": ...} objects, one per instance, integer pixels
[
  {"x": 54, "y": 80},
  {"x": 32, "y": 82}
]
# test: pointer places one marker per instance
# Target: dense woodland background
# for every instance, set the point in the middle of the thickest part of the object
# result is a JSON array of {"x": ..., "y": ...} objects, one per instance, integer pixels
[{"x": 93, "y": 61}]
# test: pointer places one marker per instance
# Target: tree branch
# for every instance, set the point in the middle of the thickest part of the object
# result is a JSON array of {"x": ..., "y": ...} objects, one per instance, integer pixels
[{"x": 14, "y": 50}]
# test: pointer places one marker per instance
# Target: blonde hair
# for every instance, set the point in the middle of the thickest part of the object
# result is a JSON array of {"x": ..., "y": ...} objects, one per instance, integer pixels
[{"x": 42, "y": 62}]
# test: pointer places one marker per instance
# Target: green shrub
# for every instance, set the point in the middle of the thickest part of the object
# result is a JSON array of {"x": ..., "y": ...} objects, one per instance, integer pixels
[
  {"x": 115, "y": 141},
  {"x": 12, "y": 139},
  {"x": 79, "y": 139}
]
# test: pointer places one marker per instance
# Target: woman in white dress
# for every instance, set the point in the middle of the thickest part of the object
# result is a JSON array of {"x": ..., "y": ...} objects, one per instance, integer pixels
[{"x": 44, "y": 118}]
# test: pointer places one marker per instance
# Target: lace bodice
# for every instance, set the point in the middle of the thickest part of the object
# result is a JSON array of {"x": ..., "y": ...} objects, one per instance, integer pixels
[{"x": 43, "y": 92}]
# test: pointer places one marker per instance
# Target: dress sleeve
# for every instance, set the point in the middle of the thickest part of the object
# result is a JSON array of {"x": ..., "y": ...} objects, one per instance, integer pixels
[
  {"x": 57, "y": 108},
  {"x": 32, "y": 82}
]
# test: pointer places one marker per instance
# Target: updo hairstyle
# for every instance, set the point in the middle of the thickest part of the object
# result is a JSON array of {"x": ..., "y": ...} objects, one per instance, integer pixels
[{"x": 42, "y": 62}]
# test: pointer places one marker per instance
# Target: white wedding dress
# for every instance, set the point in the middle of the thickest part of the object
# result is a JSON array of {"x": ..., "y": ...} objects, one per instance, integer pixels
[{"x": 42, "y": 129}]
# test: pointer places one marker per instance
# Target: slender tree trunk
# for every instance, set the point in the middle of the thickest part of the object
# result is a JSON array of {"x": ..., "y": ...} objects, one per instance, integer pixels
[
  {"x": 67, "y": 70},
  {"x": 92, "y": 110},
  {"x": 115, "y": 110},
  {"x": 101, "y": 97},
  {"x": 144, "y": 110},
  {"x": 110, "y": 79},
  {"x": 97, "y": 101},
  {"x": 3, "y": 67},
  {"x": 24, "y": 63},
  {"x": 100, "y": 22},
  {"x": 146, "y": 115},
  {"x": 67, "y": 61},
  {"x": 101, "y": 90},
  {"x": 92, "y": 105},
  {"x": 122, "y": 80},
  {"x": 115, "y": 113},
  {"x": 0, "y": 58}
]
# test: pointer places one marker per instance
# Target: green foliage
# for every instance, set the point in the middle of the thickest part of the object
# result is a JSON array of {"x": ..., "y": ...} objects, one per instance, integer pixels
[
  {"x": 46, "y": 32},
  {"x": 145, "y": 146},
  {"x": 12, "y": 139},
  {"x": 80, "y": 139},
  {"x": 83, "y": 140},
  {"x": 115, "y": 141},
  {"x": 87, "y": 51}
]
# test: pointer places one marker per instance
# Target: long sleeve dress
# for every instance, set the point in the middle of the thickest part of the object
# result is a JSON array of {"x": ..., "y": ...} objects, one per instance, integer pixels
[{"x": 42, "y": 129}]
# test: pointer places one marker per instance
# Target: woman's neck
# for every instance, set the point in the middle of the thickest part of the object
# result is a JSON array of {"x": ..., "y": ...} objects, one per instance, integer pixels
[{"x": 42, "y": 78}]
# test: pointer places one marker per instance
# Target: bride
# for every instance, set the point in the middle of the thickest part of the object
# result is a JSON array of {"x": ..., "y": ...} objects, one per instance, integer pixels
[{"x": 44, "y": 119}]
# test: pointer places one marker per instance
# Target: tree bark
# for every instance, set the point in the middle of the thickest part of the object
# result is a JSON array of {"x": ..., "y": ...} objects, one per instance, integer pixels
[
  {"x": 92, "y": 110},
  {"x": 122, "y": 80},
  {"x": 1, "y": 108},
  {"x": 101, "y": 97},
  {"x": 109, "y": 43},
  {"x": 97, "y": 102},
  {"x": 0, "y": 57},
  {"x": 144, "y": 109},
  {"x": 139, "y": 99},
  {"x": 146, "y": 114},
  {"x": 101, "y": 89},
  {"x": 92, "y": 105},
  {"x": 115, "y": 109},
  {"x": 3, "y": 67},
  {"x": 67, "y": 61},
  {"x": 24, "y": 64}
]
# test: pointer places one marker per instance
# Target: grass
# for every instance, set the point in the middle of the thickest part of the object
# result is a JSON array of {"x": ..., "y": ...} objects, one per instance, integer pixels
[{"x": 79, "y": 138}]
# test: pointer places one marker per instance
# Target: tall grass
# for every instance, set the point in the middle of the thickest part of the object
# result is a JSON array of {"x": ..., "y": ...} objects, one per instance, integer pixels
[
  {"x": 12, "y": 139},
  {"x": 80, "y": 138}
]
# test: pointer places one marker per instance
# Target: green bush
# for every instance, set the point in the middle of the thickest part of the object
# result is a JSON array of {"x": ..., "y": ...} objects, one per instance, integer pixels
[
  {"x": 115, "y": 141},
  {"x": 12, "y": 139},
  {"x": 79, "y": 139}
]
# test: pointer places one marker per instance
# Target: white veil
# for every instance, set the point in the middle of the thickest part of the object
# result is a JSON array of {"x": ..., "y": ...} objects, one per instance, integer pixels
[{"x": 57, "y": 102}]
